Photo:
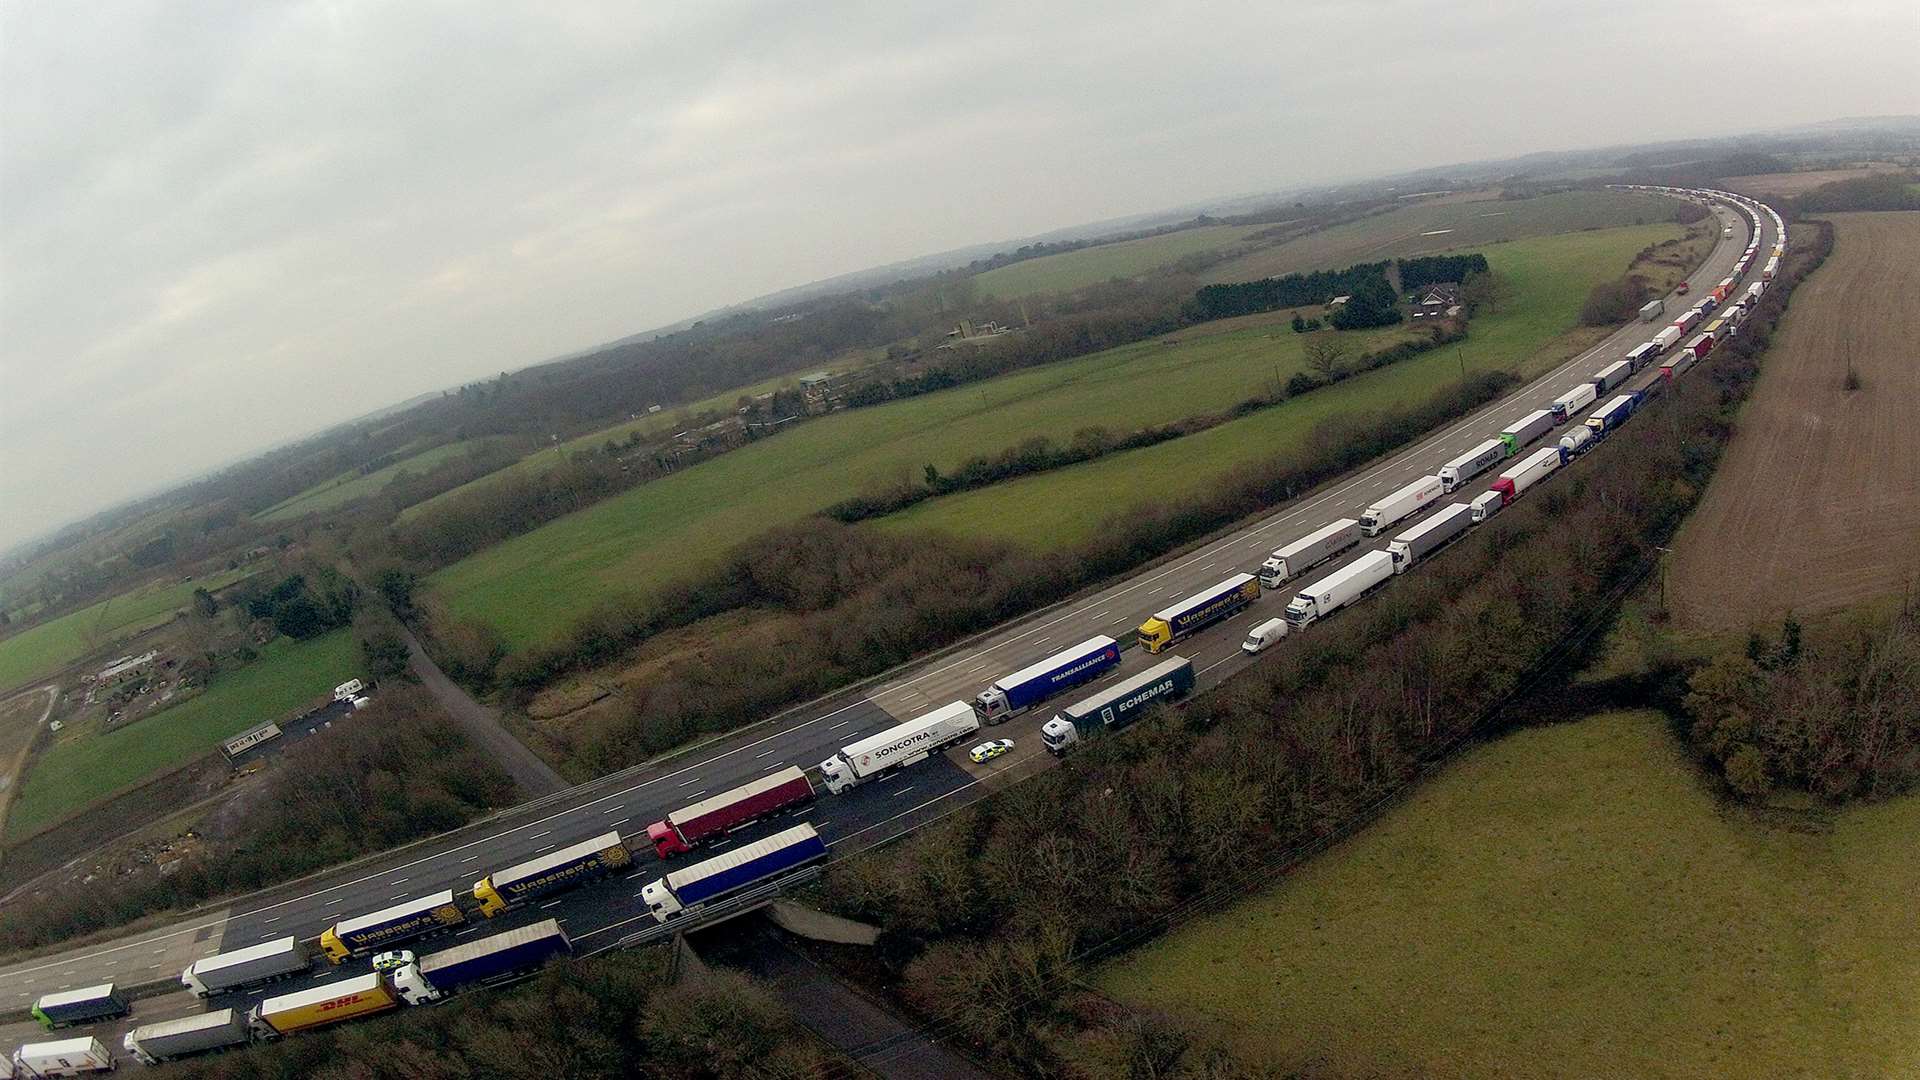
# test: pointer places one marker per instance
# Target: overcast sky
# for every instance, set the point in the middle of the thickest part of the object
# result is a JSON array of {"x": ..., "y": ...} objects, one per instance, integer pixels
[{"x": 222, "y": 225}]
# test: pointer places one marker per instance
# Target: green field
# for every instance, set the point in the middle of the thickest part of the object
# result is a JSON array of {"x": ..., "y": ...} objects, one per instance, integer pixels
[
  {"x": 42, "y": 650},
  {"x": 89, "y": 764},
  {"x": 1569, "y": 901},
  {"x": 534, "y": 586},
  {"x": 1403, "y": 233},
  {"x": 1550, "y": 277},
  {"x": 349, "y": 486},
  {"x": 1090, "y": 266}
]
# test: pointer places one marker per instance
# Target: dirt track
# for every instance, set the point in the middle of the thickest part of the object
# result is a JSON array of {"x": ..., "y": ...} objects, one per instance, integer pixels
[{"x": 1817, "y": 504}]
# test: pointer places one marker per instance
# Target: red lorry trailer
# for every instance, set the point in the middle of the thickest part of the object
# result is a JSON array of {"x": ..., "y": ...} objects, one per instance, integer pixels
[{"x": 685, "y": 828}]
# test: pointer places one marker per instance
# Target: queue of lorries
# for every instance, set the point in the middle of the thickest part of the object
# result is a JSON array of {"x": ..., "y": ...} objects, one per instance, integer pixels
[{"x": 401, "y": 978}]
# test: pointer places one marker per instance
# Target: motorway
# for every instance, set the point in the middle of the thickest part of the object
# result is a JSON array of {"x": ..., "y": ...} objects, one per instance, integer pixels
[{"x": 598, "y": 915}]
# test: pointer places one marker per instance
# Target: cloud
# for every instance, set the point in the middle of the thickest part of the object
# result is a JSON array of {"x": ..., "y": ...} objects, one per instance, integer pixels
[{"x": 222, "y": 225}]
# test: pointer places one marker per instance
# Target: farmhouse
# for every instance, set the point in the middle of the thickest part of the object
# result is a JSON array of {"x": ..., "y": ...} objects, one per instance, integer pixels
[
  {"x": 1436, "y": 301},
  {"x": 124, "y": 668}
]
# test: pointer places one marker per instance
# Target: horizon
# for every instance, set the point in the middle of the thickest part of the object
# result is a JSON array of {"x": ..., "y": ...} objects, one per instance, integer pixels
[{"x": 288, "y": 232}]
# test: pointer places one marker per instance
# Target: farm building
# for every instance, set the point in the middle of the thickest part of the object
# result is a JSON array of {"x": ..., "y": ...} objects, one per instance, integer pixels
[{"x": 1436, "y": 301}]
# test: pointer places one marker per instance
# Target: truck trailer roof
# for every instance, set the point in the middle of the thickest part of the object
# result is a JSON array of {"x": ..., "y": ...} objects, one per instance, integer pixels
[
  {"x": 314, "y": 995},
  {"x": 1126, "y": 686},
  {"x": 389, "y": 914},
  {"x": 487, "y": 946},
  {"x": 1203, "y": 597},
  {"x": 237, "y": 957},
  {"x": 1044, "y": 667},
  {"x": 71, "y": 997},
  {"x": 886, "y": 738},
  {"x": 536, "y": 866},
  {"x": 719, "y": 864},
  {"x": 696, "y": 811}
]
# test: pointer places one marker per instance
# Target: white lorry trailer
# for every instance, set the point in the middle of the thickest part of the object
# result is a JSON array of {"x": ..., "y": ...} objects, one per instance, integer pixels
[
  {"x": 1396, "y": 507},
  {"x": 65, "y": 1057},
  {"x": 246, "y": 967},
  {"x": 1472, "y": 464},
  {"x": 901, "y": 744},
  {"x": 1309, "y": 551},
  {"x": 1338, "y": 589},
  {"x": 151, "y": 1044},
  {"x": 1427, "y": 537}
]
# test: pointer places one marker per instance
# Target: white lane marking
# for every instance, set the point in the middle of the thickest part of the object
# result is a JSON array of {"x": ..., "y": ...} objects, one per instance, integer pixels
[
  {"x": 766, "y": 753},
  {"x": 684, "y": 783},
  {"x": 402, "y": 896},
  {"x": 464, "y": 933},
  {"x": 902, "y": 791},
  {"x": 1216, "y": 663},
  {"x": 613, "y": 809},
  {"x": 401, "y": 881},
  {"x": 552, "y": 903},
  {"x": 469, "y": 858},
  {"x": 539, "y": 834},
  {"x": 840, "y": 725},
  {"x": 621, "y": 821}
]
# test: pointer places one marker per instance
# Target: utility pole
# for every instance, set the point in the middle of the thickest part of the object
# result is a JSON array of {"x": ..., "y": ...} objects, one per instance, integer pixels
[{"x": 1664, "y": 552}]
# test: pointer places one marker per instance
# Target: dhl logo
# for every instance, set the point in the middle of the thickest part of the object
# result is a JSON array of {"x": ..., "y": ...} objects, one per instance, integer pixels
[{"x": 340, "y": 1003}]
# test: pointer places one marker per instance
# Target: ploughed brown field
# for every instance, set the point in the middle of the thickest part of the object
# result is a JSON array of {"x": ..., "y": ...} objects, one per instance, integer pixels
[
  {"x": 1788, "y": 184},
  {"x": 1817, "y": 505}
]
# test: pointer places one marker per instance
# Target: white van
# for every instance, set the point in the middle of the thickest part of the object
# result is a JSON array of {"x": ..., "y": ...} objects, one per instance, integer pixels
[{"x": 1264, "y": 635}]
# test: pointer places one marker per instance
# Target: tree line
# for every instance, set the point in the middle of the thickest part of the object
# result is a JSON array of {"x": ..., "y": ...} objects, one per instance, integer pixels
[
  {"x": 1418, "y": 273},
  {"x": 1225, "y": 301}
]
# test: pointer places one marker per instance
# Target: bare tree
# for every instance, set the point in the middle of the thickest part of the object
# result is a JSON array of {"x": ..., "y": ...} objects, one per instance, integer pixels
[
  {"x": 1327, "y": 354},
  {"x": 1484, "y": 292}
]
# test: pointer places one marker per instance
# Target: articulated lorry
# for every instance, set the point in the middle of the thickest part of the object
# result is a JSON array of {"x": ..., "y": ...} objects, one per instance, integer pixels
[
  {"x": 1607, "y": 418},
  {"x": 1577, "y": 398},
  {"x": 320, "y": 1006},
  {"x": 64, "y": 1057},
  {"x": 1309, "y": 551},
  {"x": 716, "y": 815},
  {"x": 245, "y": 968},
  {"x": 1199, "y": 611},
  {"x": 736, "y": 871},
  {"x": 1641, "y": 355},
  {"x": 900, "y": 745},
  {"x": 1536, "y": 467},
  {"x": 490, "y": 959},
  {"x": 151, "y": 1044},
  {"x": 1471, "y": 464},
  {"x": 1665, "y": 339},
  {"x": 390, "y": 926},
  {"x": 1118, "y": 705},
  {"x": 1338, "y": 589},
  {"x": 1429, "y": 536},
  {"x": 1531, "y": 427},
  {"x": 1016, "y": 693},
  {"x": 1611, "y": 376},
  {"x": 68, "y": 1007},
  {"x": 1402, "y": 504},
  {"x": 577, "y": 864}
]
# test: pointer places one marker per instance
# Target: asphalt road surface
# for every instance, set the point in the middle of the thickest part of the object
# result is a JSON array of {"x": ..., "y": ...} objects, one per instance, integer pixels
[{"x": 873, "y": 813}]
